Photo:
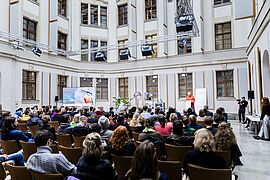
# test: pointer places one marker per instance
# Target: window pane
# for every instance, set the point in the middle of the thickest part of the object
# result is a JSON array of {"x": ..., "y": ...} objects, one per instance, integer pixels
[
  {"x": 94, "y": 15},
  {"x": 84, "y": 13}
]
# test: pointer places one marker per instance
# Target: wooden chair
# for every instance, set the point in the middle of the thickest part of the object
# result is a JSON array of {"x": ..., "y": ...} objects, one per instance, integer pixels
[
  {"x": 9, "y": 147},
  {"x": 199, "y": 173},
  {"x": 176, "y": 153},
  {"x": 135, "y": 136},
  {"x": 122, "y": 164},
  {"x": 158, "y": 149},
  {"x": 54, "y": 148},
  {"x": 29, "y": 148},
  {"x": 72, "y": 154},
  {"x": 64, "y": 139},
  {"x": 22, "y": 127},
  {"x": 39, "y": 176},
  {"x": 171, "y": 168},
  {"x": 105, "y": 155},
  {"x": 2, "y": 172},
  {"x": 226, "y": 155},
  {"x": 18, "y": 172},
  {"x": 54, "y": 124},
  {"x": 33, "y": 129},
  {"x": 78, "y": 141}
]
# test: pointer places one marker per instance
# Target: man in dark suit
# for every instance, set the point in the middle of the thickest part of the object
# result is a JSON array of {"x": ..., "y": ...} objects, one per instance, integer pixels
[{"x": 242, "y": 108}]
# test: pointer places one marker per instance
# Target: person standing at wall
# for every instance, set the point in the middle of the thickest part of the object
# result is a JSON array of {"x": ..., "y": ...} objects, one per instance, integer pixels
[
  {"x": 191, "y": 98},
  {"x": 242, "y": 108}
]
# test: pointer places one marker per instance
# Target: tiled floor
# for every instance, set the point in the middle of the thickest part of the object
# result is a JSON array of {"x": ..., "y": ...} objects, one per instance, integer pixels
[{"x": 256, "y": 155}]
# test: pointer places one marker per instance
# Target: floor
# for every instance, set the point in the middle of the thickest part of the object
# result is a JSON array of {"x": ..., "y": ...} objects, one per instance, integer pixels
[{"x": 256, "y": 155}]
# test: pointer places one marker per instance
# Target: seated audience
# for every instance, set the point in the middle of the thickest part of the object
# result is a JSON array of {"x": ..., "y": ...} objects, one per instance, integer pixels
[
  {"x": 43, "y": 161},
  {"x": 57, "y": 116},
  {"x": 65, "y": 127},
  {"x": 173, "y": 117},
  {"x": 46, "y": 126},
  {"x": 193, "y": 123},
  {"x": 9, "y": 132},
  {"x": 206, "y": 111},
  {"x": 163, "y": 128},
  {"x": 191, "y": 112},
  {"x": 226, "y": 141},
  {"x": 145, "y": 113},
  {"x": 120, "y": 144},
  {"x": 145, "y": 164},
  {"x": 187, "y": 130},
  {"x": 16, "y": 158},
  {"x": 217, "y": 120},
  {"x": 140, "y": 127},
  {"x": 92, "y": 119},
  {"x": 203, "y": 154},
  {"x": 201, "y": 115},
  {"x": 208, "y": 121},
  {"x": 90, "y": 165},
  {"x": 104, "y": 122},
  {"x": 134, "y": 121},
  {"x": 177, "y": 137},
  {"x": 34, "y": 120},
  {"x": 26, "y": 115},
  {"x": 82, "y": 128},
  {"x": 75, "y": 121}
]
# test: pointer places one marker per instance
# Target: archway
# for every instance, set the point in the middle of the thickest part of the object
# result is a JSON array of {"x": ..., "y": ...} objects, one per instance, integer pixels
[{"x": 266, "y": 74}]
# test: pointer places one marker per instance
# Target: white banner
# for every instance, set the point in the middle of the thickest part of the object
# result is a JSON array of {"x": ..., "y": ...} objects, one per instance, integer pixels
[{"x": 84, "y": 96}]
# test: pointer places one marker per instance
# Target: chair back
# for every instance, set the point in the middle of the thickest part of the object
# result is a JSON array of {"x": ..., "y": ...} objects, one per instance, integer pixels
[
  {"x": 22, "y": 127},
  {"x": 171, "y": 168},
  {"x": 9, "y": 146},
  {"x": 29, "y": 148},
  {"x": 132, "y": 128},
  {"x": 226, "y": 155},
  {"x": 39, "y": 176},
  {"x": 64, "y": 139},
  {"x": 54, "y": 124},
  {"x": 54, "y": 148},
  {"x": 135, "y": 135},
  {"x": 176, "y": 153},
  {"x": 2, "y": 172},
  {"x": 122, "y": 164},
  {"x": 199, "y": 173},
  {"x": 33, "y": 129},
  {"x": 72, "y": 154},
  {"x": 159, "y": 149},
  {"x": 78, "y": 141},
  {"x": 18, "y": 172}
]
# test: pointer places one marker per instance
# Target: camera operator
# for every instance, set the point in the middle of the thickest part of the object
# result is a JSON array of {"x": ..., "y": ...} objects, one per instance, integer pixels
[{"x": 242, "y": 108}]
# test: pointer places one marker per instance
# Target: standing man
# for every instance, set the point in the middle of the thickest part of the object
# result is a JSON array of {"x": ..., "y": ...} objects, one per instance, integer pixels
[
  {"x": 242, "y": 108},
  {"x": 192, "y": 99}
]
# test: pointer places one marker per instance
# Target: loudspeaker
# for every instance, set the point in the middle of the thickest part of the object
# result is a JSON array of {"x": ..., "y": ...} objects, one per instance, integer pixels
[
  {"x": 56, "y": 98},
  {"x": 250, "y": 94}
]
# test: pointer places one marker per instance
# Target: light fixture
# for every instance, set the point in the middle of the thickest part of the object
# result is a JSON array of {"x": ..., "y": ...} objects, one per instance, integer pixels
[
  {"x": 100, "y": 56},
  {"x": 182, "y": 43},
  {"x": 124, "y": 54},
  {"x": 184, "y": 23},
  {"x": 36, "y": 51},
  {"x": 147, "y": 50},
  {"x": 17, "y": 46}
]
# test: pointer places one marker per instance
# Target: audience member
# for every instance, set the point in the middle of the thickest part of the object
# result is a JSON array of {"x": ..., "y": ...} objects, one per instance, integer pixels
[
  {"x": 16, "y": 158},
  {"x": 75, "y": 121},
  {"x": 177, "y": 137},
  {"x": 65, "y": 127},
  {"x": 193, "y": 123},
  {"x": 145, "y": 114},
  {"x": 188, "y": 131},
  {"x": 201, "y": 115},
  {"x": 90, "y": 165},
  {"x": 208, "y": 121},
  {"x": 105, "y": 123},
  {"x": 46, "y": 126},
  {"x": 226, "y": 141},
  {"x": 203, "y": 154},
  {"x": 265, "y": 118},
  {"x": 82, "y": 128},
  {"x": 206, "y": 111},
  {"x": 145, "y": 164},
  {"x": 26, "y": 115},
  {"x": 217, "y": 120},
  {"x": 163, "y": 128},
  {"x": 140, "y": 127},
  {"x": 34, "y": 120},
  {"x": 43, "y": 161},
  {"x": 57, "y": 116},
  {"x": 134, "y": 121},
  {"x": 120, "y": 144}
]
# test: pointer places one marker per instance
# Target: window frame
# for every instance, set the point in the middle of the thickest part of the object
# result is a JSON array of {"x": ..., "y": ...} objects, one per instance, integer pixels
[
  {"x": 123, "y": 87},
  {"x": 185, "y": 84},
  {"x": 122, "y": 43},
  {"x": 61, "y": 84},
  {"x": 224, "y": 82},
  {"x": 62, "y": 40},
  {"x": 102, "y": 14},
  {"x": 84, "y": 57},
  {"x": 223, "y": 34},
  {"x": 218, "y": 2},
  {"x": 93, "y": 46},
  {"x": 153, "y": 85},
  {"x": 83, "y": 14},
  {"x": 62, "y": 8},
  {"x": 187, "y": 49},
  {"x": 122, "y": 14},
  {"x": 150, "y": 9},
  {"x": 28, "y": 86},
  {"x": 101, "y": 87},
  {"x": 94, "y": 15},
  {"x": 86, "y": 79},
  {"x": 27, "y": 30},
  {"x": 149, "y": 39}
]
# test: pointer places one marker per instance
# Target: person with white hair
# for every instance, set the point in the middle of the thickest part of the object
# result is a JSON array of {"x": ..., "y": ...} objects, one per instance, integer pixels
[
  {"x": 105, "y": 123},
  {"x": 191, "y": 98}
]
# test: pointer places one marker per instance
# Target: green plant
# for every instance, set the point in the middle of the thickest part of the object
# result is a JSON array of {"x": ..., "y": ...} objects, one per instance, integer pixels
[{"x": 118, "y": 100}]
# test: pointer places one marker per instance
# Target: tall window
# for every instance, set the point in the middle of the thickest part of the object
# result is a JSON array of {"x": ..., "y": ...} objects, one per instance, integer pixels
[
  {"x": 86, "y": 82},
  {"x": 122, "y": 14},
  {"x": 187, "y": 48},
  {"x": 150, "y": 9},
  {"x": 102, "y": 44},
  {"x": 223, "y": 36},
  {"x": 121, "y": 44},
  {"x": 94, "y": 44},
  {"x": 184, "y": 84},
  {"x": 102, "y": 88},
  {"x": 62, "y": 83},
  {"x": 94, "y": 15},
  {"x": 84, "y": 13},
  {"x": 62, "y": 41},
  {"x": 29, "y": 85},
  {"x": 225, "y": 83},
  {"x": 84, "y": 46},
  {"x": 221, "y": 1},
  {"x": 62, "y": 7},
  {"x": 103, "y": 16},
  {"x": 123, "y": 87},
  {"x": 29, "y": 29},
  {"x": 152, "y": 86},
  {"x": 149, "y": 39}
]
